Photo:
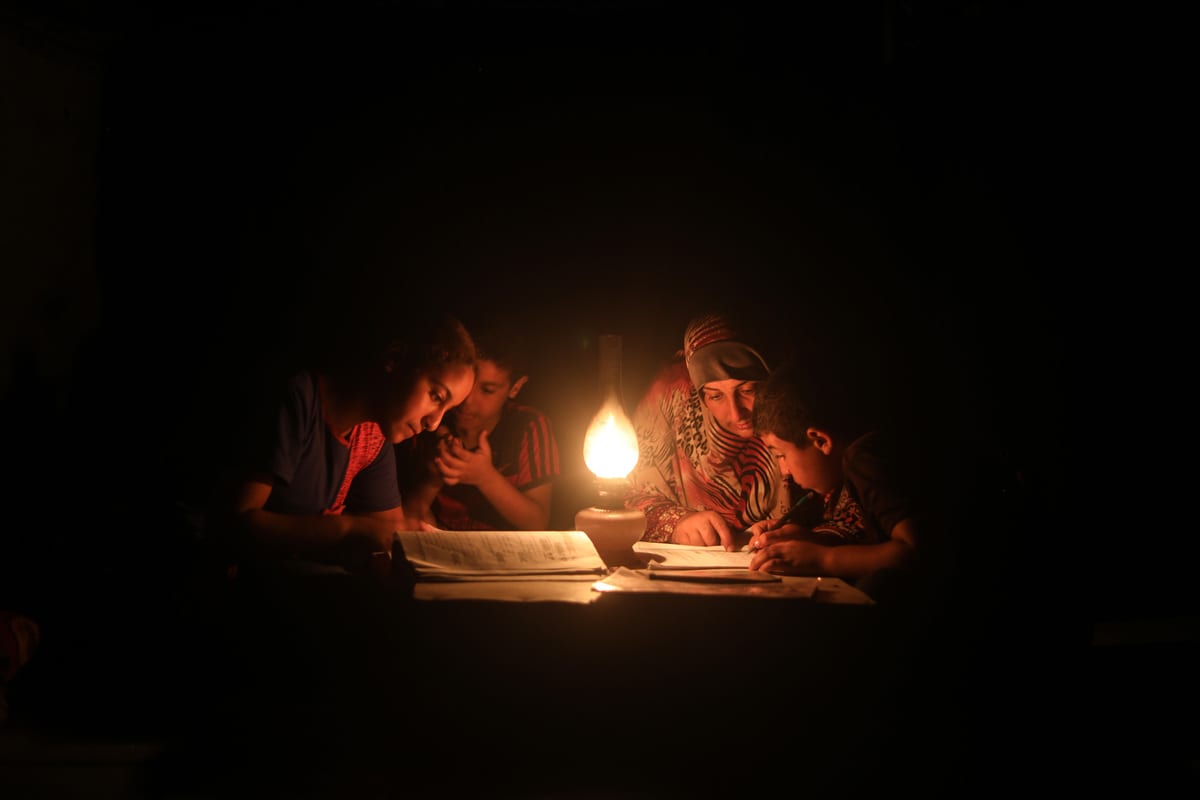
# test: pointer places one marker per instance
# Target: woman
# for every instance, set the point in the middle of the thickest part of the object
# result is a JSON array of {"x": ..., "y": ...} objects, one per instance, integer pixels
[
  {"x": 319, "y": 483},
  {"x": 703, "y": 476}
]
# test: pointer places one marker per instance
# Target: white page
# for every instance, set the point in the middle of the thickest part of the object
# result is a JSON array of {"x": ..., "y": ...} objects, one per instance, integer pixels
[
  {"x": 449, "y": 553},
  {"x": 685, "y": 556}
]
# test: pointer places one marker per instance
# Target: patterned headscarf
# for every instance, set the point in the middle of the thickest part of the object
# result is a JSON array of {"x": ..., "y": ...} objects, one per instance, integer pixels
[
  {"x": 687, "y": 461},
  {"x": 712, "y": 352}
]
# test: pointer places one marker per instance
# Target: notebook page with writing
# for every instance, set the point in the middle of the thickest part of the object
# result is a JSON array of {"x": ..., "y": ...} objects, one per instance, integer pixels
[
  {"x": 665, "y": 555},
  {"x": 441, "y": 554}
]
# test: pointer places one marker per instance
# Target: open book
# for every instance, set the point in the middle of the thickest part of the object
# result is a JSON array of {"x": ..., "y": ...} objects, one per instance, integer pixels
[
  {"x": 664, "y": 555},
  {"x": 439, "y": 555}
]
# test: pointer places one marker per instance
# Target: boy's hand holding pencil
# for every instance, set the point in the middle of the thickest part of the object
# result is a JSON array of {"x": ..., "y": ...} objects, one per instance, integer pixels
[{"x": 794, "y": 515}]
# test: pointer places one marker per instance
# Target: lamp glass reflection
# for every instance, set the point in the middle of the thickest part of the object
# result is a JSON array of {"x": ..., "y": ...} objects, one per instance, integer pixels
[{"x": 610, "y": 451}]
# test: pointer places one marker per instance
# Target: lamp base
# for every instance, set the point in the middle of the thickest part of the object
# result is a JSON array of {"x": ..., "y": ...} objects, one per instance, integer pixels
[{"x": 613, "y": 531}]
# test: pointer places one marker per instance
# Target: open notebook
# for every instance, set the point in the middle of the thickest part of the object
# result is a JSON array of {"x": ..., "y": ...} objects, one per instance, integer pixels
[
  {"x": 685, "y": 556},
  {"x": 440, "y": 555}
]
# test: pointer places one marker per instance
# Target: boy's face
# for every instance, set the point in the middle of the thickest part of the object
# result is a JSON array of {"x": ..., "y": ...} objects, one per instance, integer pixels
[
  {"x": 484, "y": 405},
  {"x": 731, "y": 403},
  {"x": 809, "y": 467},
  {"x": 431, "y": 397}
]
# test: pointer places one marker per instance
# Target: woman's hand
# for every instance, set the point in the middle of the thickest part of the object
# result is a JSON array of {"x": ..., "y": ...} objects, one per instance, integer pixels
[
  {"x": 374, "y": 532},
  {"x": 368, "y": 542},
  {"x": 703, "y": 528}
]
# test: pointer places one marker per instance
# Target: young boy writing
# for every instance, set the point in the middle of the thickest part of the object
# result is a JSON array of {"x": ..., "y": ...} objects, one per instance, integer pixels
[{"x": 863, "y": 522}]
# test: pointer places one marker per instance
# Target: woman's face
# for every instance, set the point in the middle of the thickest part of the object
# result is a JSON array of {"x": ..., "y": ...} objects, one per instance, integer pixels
[
  {"x": 730, "y": 403},
  {"x": 432, "y": 395}
]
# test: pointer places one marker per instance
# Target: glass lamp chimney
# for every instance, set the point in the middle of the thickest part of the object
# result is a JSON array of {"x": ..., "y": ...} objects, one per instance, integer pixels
[
  {"x": 610, "y": 448},
  {"x": 610, "y": 451}
]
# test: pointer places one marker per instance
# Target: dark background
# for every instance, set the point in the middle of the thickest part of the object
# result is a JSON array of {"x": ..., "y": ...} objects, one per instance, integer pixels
[
  {"x": 199, "y": 192},
  {"x": 950, "y": 193}
]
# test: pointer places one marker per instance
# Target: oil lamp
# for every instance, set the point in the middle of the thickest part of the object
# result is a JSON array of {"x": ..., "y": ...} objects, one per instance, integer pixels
[{"x": 610, "y": 451}]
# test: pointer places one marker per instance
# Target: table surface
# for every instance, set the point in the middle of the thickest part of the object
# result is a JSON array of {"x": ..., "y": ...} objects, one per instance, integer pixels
[
  {"x": 600, "y": 692},
  {"x": 829, "y": 591},
  {"x": 550, "y": 688},
  {"x": 834, "y": 591}
]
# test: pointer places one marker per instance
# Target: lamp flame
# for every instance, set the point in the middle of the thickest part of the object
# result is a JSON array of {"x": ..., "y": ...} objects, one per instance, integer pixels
[
  {"x": 610, "y": 447},
  {"x": 610, "y": 451}
]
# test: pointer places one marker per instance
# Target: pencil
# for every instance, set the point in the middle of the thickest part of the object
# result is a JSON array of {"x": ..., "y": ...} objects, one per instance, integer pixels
[{"x": 790, "y": 514}]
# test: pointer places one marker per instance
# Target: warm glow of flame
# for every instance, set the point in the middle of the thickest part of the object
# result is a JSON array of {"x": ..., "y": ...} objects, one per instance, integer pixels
[{"x": 610, "y": 448}]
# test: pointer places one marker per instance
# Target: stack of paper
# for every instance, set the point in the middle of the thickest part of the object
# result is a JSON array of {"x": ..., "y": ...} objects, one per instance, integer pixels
[
  {"x": 711, "y": 583},
  {"x": 439, "y": 555}
]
